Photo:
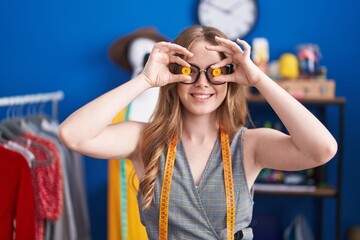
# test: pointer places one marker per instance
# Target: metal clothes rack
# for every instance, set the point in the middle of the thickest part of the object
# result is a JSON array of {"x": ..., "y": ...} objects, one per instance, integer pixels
[{"x": 53, "y": 97}]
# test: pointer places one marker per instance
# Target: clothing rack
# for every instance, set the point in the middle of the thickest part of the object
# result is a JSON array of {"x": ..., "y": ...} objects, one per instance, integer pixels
[{"x": 53, "y": 97}]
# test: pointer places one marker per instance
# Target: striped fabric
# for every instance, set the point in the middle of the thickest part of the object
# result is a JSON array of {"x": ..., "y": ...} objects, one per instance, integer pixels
[{"x": 200, "y": 213}]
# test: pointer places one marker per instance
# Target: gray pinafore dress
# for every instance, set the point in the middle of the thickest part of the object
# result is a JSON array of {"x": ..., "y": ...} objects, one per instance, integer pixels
[{"x": 200, "y": 212}]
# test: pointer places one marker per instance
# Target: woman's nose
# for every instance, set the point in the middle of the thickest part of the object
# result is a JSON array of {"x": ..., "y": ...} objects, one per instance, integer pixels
[{"x": 202, "y": 81}]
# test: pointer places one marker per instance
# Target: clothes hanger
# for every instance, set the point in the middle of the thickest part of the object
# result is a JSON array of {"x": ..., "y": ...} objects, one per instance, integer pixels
[
  {"x": 12, "y": 122},
  {"x": 3, "y": 140},
  {"x": 40, "y": 121},
  {"x": 11, "y": 128},
  {"x": 37, "y": 115}
]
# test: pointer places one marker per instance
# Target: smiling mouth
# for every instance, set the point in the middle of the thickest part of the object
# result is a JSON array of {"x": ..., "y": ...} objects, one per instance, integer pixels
[{"x": 202, "y": 96}]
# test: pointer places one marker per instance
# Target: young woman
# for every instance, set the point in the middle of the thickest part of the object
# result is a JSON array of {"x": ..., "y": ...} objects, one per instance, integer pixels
[{"x": 204, "y": 191}]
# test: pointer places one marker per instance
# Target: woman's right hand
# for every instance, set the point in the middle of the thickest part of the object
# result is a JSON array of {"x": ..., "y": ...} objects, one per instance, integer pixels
[{"x": 156, "y": 71}]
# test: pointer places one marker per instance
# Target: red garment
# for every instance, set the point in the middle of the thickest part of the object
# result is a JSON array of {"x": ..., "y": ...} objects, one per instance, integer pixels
[
  {"x": 16, "y": 197},
  {"x": 47, "y": 181}
]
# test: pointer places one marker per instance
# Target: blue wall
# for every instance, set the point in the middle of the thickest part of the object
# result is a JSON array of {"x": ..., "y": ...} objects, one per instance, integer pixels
[{"x": 62, "y": 45}]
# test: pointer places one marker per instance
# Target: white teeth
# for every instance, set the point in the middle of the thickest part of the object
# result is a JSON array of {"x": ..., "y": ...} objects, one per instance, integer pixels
[{"x": 202, "y": 96}]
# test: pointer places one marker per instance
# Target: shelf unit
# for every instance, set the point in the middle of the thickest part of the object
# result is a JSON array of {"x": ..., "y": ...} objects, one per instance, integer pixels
[
  {"x": 318, "y": 192},
  {"x": 322, "y": 193}
]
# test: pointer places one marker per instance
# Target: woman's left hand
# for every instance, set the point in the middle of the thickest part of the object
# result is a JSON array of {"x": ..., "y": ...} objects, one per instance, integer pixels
[{"x": 245, "y": 71}]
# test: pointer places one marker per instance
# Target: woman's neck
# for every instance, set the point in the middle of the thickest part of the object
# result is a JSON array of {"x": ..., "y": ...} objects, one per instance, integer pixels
[{"x": 200, "y": 129}]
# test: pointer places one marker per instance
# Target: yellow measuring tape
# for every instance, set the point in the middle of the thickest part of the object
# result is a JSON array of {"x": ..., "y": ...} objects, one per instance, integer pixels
[{"x": 229, "y": 186}]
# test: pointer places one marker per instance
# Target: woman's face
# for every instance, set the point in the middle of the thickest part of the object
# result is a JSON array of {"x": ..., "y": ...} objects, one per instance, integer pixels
[{"x": 202, "y": 97}]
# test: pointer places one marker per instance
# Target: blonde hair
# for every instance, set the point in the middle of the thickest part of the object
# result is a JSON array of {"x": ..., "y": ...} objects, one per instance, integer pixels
[{"x": 167, "y": 120}]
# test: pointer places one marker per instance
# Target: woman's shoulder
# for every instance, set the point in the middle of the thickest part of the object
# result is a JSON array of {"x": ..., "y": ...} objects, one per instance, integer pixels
[
  {"x": 254, "y": 137},
  {"x": 258, "y": 133},
  {"x": 253, "y": 134}
]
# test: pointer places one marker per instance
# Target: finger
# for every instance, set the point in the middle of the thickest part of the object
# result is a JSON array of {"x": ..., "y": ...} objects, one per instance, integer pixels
[
  {"x": 219, "y": 48},
  {"x": 223, "y": 78},
  {"x": 179, "y": 78},
  {"x": 179, "y": 60},
  {"x": 172, "y": 48},
  {"x": 245, "y": 45},
  {"x": 222, "y": 40},
  {"x": 222, "y": 63},
  {"x": 228, "y": 43}
]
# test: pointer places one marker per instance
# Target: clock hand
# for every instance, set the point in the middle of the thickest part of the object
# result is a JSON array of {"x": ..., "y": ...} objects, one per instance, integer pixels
[
  {"x": 236, "y": 5},
  {"x": 221, "y": 9}
]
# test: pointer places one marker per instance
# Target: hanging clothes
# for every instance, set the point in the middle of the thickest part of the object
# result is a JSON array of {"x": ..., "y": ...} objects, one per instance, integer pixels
[
  {"x": 61, "y": 211},
  {"x": 47, "y": 181},
  {"x": 74, "y": 223},
  {"x": 17, "y": 208},
  {"x": 42, "y": 186}
]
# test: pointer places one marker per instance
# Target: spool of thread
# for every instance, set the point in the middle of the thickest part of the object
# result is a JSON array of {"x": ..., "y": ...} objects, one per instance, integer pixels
[{"x": 288, "y": 66}]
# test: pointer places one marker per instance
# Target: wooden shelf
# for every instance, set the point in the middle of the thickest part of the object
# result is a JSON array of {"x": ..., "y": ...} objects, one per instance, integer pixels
[
  {"x": 254, "y": 99},
  {"x": 337, "y": 100},
  {"x": 317, "y": 192}
]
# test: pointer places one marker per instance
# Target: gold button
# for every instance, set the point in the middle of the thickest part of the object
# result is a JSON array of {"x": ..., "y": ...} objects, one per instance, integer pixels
[
  {"x": 186, "y": 70},
  {"x": 216, "y": 72}
]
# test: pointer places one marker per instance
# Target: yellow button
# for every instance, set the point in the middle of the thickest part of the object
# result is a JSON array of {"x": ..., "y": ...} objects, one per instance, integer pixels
[
  {"x": 216, "y": 72},
  {"x": 186, "y": 70}
]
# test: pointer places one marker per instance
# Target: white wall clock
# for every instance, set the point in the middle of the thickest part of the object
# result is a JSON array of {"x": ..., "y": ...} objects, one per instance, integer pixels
[{"x": 236, "y": 18}]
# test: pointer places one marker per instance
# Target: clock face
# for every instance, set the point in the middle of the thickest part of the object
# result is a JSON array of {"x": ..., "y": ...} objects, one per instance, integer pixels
[{"x": 235, "y": 18}]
